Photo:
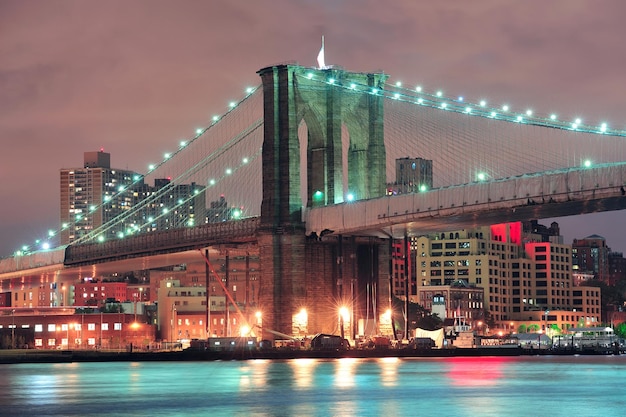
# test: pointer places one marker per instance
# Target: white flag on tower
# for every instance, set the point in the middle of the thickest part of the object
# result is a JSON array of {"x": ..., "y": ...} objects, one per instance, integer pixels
[{"x": 320, "y": 56}]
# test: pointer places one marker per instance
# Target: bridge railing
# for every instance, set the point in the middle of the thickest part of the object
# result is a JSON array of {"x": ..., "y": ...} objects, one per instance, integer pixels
[
  {"x": 32, "y": 260},
  {"x": 163, "y": 241},
  {"x": 525, "y": 190}
]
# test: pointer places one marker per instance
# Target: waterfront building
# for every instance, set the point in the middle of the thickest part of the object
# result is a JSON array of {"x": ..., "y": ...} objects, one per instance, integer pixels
[
  {"x": 71, "y": 328},
  {"x": 183, "y": 314},
  {"x": 459, "y": 301},
  {"x": 523, "y": 274}
]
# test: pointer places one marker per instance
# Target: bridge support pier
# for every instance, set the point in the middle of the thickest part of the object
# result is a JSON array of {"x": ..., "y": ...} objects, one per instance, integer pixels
[
  {"x": 312, "y": 274},
  {"x": 320, "y": 276}
]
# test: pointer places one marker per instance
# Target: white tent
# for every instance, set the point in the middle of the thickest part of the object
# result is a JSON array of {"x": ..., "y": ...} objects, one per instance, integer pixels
[{"x": 436, "y": 335}]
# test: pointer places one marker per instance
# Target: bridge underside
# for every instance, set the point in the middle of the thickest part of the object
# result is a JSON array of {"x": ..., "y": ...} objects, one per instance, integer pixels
[
  {"x": 532, "y": 197},
  {"x": 399, "y": 225},
  {"x": 232, "y": 233}
]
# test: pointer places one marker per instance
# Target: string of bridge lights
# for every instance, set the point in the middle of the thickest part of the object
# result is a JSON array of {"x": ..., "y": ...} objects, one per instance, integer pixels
[
  {"x": 238, "y": 213},
  {"x": 437, "y": 100},
  {"x": 420, "y": 97},
  {"x": 396, "y": 91},
  {"x": 43, "y": 244}
]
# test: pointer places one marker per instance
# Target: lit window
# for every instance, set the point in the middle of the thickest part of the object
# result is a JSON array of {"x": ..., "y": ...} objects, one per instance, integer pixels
[{"x": 38, "y": 328}]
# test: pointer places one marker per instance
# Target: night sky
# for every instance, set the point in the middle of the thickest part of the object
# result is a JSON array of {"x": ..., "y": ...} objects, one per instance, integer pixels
[{"x": 133, "y": 77}]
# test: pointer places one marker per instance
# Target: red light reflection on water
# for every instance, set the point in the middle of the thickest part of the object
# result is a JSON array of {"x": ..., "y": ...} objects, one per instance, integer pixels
[{"x": 476, "y": 372}]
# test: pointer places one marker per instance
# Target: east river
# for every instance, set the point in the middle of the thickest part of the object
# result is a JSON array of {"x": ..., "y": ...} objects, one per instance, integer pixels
[{"x": 483, "y": 386}]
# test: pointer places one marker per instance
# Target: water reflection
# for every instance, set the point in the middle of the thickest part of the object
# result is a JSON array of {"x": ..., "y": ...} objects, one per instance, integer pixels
[
  {"x": 254, "y": 374},
  {"x": 476, "y": 372},
  {"x": 344, "y": 372},
  {"x": 319, "y": 387},
  {"x": 389, "y": 371},
  {"x": 303, "y": 371}
]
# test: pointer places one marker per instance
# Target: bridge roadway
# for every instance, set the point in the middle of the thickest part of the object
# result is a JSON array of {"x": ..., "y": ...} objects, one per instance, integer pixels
[
  {"x": 533, "y": 196},
  {"x": 552, "y": 194},
  {"x": 150, "y": 250}
]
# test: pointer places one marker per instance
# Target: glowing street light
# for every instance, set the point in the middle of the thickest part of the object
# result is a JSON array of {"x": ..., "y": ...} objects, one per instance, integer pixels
[
  {"x": 344, "y": 316},
  {"x": 301, "y": 322}
]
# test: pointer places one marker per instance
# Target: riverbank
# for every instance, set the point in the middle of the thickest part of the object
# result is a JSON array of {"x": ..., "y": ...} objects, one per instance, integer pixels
[{"x": 65, "y": 356}]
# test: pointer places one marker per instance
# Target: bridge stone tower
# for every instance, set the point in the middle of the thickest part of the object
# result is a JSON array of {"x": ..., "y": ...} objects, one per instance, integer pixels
[{"x": 299, "y": 271}]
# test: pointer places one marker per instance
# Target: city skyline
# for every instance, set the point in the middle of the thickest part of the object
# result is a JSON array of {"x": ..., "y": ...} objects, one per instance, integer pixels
[{"x": 136, "y": 78}]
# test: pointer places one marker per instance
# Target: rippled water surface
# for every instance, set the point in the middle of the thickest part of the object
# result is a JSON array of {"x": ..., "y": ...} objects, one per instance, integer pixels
[{"x": 489, "y": 386}]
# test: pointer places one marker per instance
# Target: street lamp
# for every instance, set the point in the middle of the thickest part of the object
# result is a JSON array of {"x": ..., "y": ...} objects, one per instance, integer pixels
[
  {"x": 13, "y": 329},
  {"x": 244, "y": 330},
  {"x": 135, "y": 326},
  {"x": 137, "y": 297},
  {"x": 172, "y": 325}
]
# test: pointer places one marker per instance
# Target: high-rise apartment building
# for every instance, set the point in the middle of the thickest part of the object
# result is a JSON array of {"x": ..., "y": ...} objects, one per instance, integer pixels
[
  {"x": 90, "y": 195},
  {"x": 168, "y": 205},
  {"x": 591, "y": 255},
  {"x": 96, "y": 193}
]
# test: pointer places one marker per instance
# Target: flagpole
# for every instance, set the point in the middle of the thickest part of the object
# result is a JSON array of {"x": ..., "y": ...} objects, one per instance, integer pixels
[{"x": 320, "y": 57}]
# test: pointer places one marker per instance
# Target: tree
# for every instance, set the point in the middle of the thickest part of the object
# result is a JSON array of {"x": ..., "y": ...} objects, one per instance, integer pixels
[
  {"x": 488, "y": 318},
  {"x": 430, "y": 322},
  {"x": 533, "y": 328},
  {"x": 112, "y": 308},
  {"x": 555, "y": 329},
  {"x": 620, "y": 330},
  {"x": 416, "y": 311}
]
